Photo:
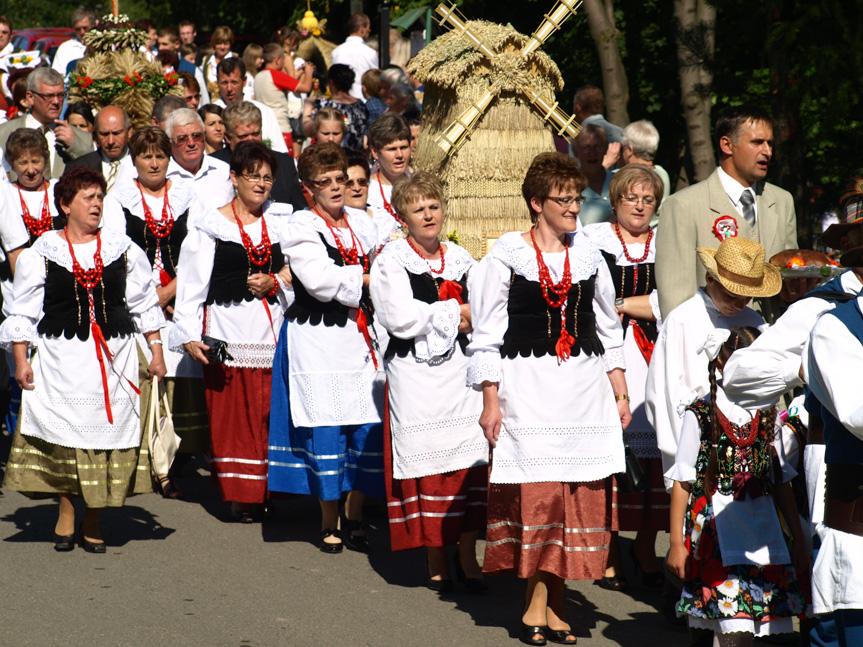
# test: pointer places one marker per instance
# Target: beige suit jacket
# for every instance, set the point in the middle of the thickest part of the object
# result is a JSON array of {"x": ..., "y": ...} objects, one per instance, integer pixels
[{"x": 687, "y": 222}]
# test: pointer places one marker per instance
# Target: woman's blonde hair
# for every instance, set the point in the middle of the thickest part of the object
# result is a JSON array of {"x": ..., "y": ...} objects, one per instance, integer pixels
[
  {"x": 630, "y": 176},
  {"x": 421, "y": 184}
]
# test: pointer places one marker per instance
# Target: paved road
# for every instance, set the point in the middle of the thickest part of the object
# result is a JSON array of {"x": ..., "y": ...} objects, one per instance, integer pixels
[{"x": 176, "y": 574}]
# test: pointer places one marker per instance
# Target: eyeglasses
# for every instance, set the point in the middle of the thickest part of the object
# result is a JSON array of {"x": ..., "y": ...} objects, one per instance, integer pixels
[
  {"x": 59, "y": 96},
  {"x": 327, "y": 181},
  {"x": 254, "y": 178},
  {"x": 647, "y": 201},
  {"x": 566, "y": 201},
  {"x": 180, "y": 140},
  {"x": 360, "y": 182}
]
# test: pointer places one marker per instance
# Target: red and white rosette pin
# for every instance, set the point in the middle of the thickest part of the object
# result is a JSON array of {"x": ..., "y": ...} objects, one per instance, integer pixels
[{"x": 725, "y": 227}]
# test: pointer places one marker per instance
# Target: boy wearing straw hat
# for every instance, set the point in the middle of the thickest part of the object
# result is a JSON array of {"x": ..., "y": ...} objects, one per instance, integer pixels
[{"x": 736, "y": 273}]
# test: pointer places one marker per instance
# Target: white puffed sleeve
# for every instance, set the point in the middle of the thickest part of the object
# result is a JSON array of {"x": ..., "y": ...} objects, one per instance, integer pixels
[
  {"x": 141, "y": 297},
  {"x": 432, "y": 326},
  {"x": 28, "y": 298},
  {"x": 787, "y": 450},
  {"x": 608, "y": 326},
  {"x": 13, "y": 231},
  {"x": 113, "y": 218},
  {"x": 193, "y": 284},
  {"x": 683, "y": 469},
  {"x": 320, "y": 276},
  {"x": 197, "y": 209},
  {"x": 489, "y": 294},
  {"x": 653, "y": 299}
]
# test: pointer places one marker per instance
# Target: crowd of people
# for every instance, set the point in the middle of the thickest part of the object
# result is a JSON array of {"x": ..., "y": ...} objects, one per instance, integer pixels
[{"x": 267, "y": 257}]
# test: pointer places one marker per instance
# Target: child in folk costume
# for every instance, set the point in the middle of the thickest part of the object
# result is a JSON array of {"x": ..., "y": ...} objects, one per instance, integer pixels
[{"x": 740, "y": 579}]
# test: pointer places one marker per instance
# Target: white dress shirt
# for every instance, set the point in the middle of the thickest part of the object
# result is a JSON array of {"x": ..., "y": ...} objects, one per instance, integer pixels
[
  {"x": 359, "y": 57},
  {"x": 213, "y": 180},
  {"x": 734, "y": 190},
  {"x": 269, "y": 125},
  {"x": 31, "y": 122}
]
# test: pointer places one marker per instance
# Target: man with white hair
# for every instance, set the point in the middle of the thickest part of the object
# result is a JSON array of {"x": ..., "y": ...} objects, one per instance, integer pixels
[
  {"x": 190, "y": 161},
  {"x": 638, "y": 144}
]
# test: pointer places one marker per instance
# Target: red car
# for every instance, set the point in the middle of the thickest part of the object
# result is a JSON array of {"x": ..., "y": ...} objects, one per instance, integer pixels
[{"x": 44, "y": 39}]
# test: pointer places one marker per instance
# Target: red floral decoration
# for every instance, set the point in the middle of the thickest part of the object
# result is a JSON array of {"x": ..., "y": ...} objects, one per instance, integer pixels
[
  {"x": 133, "y": 79},
  {"x": 172, "y": 78},
  {"x": 84, "y": 82}
]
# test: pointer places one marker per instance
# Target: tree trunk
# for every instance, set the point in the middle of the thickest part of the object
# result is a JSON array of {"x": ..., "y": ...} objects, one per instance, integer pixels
[
  {"x": 600, "y": 17},
  {"x": 695, "y": 44}
]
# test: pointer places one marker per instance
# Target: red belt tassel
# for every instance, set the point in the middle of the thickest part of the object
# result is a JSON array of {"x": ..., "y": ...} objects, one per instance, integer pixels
[
  {"x": 99, "y": 339},
  {"x": 563, "y": 347},
  {"x": 450, "y": 290},
  {"x": 164, "y": 278},
  {"x": 644, "y": 344},
  {"x": 363, "y": 327}
]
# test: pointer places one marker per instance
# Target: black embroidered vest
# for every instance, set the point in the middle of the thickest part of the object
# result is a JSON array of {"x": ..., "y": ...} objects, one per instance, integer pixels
[
  {"x": 67, "y": 310},
  {"x": 534, "y": 327},
  {"x": 139, "y": 232},
  {"x": 425, "y": 288},
  {"x": 231, "y": 269},
  {"x": 633, "y": 281},
  {"x": 307, "y": 308}
]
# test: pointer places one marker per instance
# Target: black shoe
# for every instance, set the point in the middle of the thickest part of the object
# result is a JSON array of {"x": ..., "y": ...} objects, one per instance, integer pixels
[
  {"x": 559, "y": 636},
  {"x": 359, "y": 543},
  {"x": 472, "y": 584},
  {"x": 165, "y": 486},
  {"x": 64, "y": 543},
  {"x": 616, "y": 583},
  {"x": 91, "y": 546},
  {"x": 528, "y": 634},
  {"x": 654, "y": 580},
  {"x": 439, "y": 586},
  {"x": 326, "y": 547}
]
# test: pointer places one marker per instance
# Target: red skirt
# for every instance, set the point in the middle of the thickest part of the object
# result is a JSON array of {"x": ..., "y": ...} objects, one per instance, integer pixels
[
  {"x": 238, "y": 403},
  {"x": 560, "y": 528},
  {"x": 433, "y": 510},
  {"x": 648, "y": 510}
]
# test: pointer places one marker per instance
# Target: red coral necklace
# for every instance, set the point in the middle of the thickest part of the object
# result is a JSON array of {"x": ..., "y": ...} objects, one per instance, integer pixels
[
  {"x": 431, "y": 269},
  {"x": 349, "y": 256},
  {"x": 626, "y": 251},
  {"x": 258, "y": 254},
  {"x": 36, "y": 227},
  {"x": 159, "y": 228},
  {"x": 736, "y": 440},
  {"x": 560, "y": 291}
]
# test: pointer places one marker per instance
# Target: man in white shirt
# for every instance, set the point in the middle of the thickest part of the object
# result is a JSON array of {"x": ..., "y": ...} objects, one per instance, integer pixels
[
  {"x": 212, "y": 177},
  {"x": 46, "y": 93},
  {"x": 231, "y": 75},
  {"x": 83, "y": 20},
  {"x": 355, "y": 53},
  {"x": 111, "y": 132}
]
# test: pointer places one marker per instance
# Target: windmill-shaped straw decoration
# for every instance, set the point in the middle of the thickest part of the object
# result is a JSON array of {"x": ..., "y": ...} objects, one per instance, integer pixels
[{"x": 455, "y": 135}]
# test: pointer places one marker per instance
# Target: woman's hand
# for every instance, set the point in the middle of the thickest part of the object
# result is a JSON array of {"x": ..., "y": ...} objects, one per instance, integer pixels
[
  {"x": 260, "y": 285},
  {"x": 286, "y": 276},
  {"x": 197, "y": 351},
  {"x": 157, "y": 366},
  {"x": 678, "y": 560},
  {"x": 464, "y": 325},
  {"x": 166, "y": 295},
  {"x": 491, "y": 417},
  {"x": 624, "y": 413},
  {"x": 24, "y": 376}
]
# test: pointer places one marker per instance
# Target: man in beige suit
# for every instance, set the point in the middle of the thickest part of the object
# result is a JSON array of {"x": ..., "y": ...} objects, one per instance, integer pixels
[{"x": 734, "y": 200}]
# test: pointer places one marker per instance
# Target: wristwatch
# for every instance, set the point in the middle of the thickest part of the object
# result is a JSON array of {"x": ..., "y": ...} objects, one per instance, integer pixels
[{"x": 618, "y": 303}]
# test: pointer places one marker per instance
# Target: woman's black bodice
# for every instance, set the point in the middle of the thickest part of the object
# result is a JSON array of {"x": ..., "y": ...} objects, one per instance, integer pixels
[
  {"x": 169, "y": 246},
  {"x": 232, "y": 268},
  {"x": 633, "y": 281}
]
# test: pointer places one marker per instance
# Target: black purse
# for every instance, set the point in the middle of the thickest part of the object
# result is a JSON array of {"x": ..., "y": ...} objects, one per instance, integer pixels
[
  {"x": 218, "y": 352},
  {"x": 632, "y": 479}
]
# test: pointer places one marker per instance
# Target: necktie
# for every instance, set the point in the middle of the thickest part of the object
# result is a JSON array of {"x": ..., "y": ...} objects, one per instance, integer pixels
[
  {"x": 748, "y": 202},
  {"x": 112, "y": 174}
]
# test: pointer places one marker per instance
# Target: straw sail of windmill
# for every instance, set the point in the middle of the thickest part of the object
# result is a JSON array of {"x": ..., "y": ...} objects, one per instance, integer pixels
[{"x": 489, "y": 102}]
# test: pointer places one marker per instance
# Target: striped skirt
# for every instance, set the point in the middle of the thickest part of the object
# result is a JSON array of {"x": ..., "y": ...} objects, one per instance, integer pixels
[
  {"x": 238, "y": 403},
  {"x": 648, "y": 510},
  {"x": 560, "y": 528}
]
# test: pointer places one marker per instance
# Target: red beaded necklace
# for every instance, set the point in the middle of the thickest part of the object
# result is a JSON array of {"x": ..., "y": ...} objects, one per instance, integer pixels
[
  {"x": 626, "y": 251},
  {"x": 35, "y": 227},
  {"x": 387, "y": 204},
  {"x": 349, "y": 256},
  {"x": 560, "y": 291},
  {"x": 258, "y": 254},
  {"x": 88, "y": 279},
  {"x": 431, "y": 269},
  {"x": 163, "y": 227},
  {"x": 746, "y": 441}
]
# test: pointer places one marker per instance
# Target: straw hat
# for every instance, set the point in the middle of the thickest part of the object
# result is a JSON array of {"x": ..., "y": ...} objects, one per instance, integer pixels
[{"x": 738, "y": 264}]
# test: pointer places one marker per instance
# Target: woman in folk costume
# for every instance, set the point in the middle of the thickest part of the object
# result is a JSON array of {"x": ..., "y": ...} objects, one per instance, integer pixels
[
  {"x": 628, "y": 248},
  {"x": 156, "y": 213},
  {"x": 727, "y": 544},
  {"x": 437, "y": 457},
  {"x": 227, "y": 287},
  {"x": 326, "y": 436},
  {"x": 547, "y": 353},
  {"x": 80, "y": 296}
]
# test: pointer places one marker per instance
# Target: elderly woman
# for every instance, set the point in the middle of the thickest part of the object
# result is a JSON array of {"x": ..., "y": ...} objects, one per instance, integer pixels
[
  {"x": 340, "y": 79},
  {"x": 81, "y": 294},
  {"x": 214, "y": 127},
  {"x": 326, "y": 436},
  {"x": 30, "y": 196},
  {"x": 401, "y": 99},
  {"x": 629, "y": 249},
  {"x": 156, "y": 213},
  {"x": 589, "y": 148},
  {"x": 436, "y": 454},
  {"x": 228, "y": 287},
  {"x": 357, "y": 186},
  {"x": 546, "y": 352}
]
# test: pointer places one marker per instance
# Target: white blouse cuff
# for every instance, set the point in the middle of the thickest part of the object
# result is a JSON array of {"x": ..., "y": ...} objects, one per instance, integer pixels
[
  {"x": 180, "y": 336},
  {"x": 613, "y": 358},
  {"x": 17, "y": 328},
  {"x": 351, "y": 291},
  {"x": 483, "y": 366},
  {"x": 678, "y": 472},
  {"x": 150, "y": 320},
  {"x": 653, "y": 299},
  {"x": 437, "y": 343}
]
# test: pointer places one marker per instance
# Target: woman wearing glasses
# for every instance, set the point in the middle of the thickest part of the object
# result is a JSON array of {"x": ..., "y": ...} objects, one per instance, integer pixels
[
  {"x": 628, "y": 246},
  {"x": 156, "y": 213},
  {"x": 326, "y": 436},
  {"x": 546, "y": 352},
  {"x": 228, "y": 286}
]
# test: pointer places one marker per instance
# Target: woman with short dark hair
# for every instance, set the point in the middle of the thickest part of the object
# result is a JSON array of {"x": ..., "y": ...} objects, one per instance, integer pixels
[{"x": 81, "y": 294}]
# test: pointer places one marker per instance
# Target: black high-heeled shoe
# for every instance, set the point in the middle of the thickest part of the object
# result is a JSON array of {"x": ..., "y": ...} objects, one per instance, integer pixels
[
  {"x": 359, "y": 543},
  {"x": 64, "y": 543},
  {"x": 559, "y": 636},
  {"x": 327, "y": 547},
  {"x": 472, "y": 584},
  {"x": 528, "y": 634},
  {"x": 654, "y": 580},
  {"x": 95, "y": 547}
]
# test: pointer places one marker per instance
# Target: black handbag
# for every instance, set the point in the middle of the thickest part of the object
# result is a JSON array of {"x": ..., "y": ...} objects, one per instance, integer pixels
[
  {"x": 632, "y": 479},
  {"x": 218, "y": 352}
]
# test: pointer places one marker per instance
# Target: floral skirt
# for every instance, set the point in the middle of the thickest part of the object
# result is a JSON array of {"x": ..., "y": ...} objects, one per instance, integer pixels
[{"x": 760, "y": 595}]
